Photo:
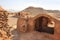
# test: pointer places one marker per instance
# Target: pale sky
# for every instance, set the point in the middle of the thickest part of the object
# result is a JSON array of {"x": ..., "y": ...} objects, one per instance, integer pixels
[{"x": 19, "y": 5}]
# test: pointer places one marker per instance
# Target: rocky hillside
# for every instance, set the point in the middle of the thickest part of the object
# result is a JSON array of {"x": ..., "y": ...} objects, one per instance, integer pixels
[{"x": 36, "y": 10}]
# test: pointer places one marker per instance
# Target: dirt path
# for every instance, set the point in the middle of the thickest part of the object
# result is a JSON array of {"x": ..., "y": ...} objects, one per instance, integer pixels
[{"x": 30, "y": 36}]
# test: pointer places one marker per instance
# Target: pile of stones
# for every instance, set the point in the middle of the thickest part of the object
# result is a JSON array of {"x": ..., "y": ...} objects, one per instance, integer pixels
[{"x": 4, "y": 27}]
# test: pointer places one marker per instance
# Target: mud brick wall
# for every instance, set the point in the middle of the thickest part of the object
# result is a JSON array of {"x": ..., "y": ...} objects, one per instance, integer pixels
[
  {"x": 56, "y": 35},
  {"x": 31, "y": 26},
  {"x": 57, "y": 30}
]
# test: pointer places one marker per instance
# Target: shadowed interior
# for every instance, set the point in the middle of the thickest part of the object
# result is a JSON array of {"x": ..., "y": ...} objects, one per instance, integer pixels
[{"x": 41, "y": 25}]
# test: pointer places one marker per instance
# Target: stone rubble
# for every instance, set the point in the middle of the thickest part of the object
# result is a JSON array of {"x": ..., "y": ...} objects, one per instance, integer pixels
[{"x": 4, "y": 27}]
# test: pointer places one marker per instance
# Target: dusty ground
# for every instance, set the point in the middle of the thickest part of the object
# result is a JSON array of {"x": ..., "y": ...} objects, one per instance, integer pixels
[
  {"x": 12, "y": 21},
  {"x": 30, "y": 36}
]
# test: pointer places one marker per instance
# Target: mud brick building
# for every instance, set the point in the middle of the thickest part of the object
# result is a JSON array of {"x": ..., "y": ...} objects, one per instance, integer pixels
[{"x": 34, "y": 23}]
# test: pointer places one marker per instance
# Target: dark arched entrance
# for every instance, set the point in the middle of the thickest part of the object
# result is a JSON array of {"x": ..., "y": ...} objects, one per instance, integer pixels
[{"x": 41, "y": 25}]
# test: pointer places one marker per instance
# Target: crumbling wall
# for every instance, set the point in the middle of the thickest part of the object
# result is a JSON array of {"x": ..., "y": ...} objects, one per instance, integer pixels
[
  {"x": 31, "y": 26},
  {"x": 56, "y": 34},
  {"x": 23, "y": 22},
  {"x": 57, "y": 30}
]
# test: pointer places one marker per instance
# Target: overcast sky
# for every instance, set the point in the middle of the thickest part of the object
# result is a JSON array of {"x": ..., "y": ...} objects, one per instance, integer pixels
[{"x": 19, "y": 5}]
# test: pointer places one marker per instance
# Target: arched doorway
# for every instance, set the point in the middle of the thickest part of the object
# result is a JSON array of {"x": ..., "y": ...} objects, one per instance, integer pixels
[{"x": 42, "y": 24}]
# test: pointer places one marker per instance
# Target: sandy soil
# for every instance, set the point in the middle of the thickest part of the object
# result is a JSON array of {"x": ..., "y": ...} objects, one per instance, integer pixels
[
  {"x": 12, "y": 21},
  {"x": 30, "y": 36}
]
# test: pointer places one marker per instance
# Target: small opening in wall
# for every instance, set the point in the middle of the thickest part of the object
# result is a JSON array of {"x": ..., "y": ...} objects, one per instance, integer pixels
[{"x": 44, "y": 24}]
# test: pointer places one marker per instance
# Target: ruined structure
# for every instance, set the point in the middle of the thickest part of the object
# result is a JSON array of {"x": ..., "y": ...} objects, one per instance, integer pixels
[
  {"x": 56, "y": 27},
  {"x": 23, "y": 21},
  {"x": 33, "y": 22}
]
